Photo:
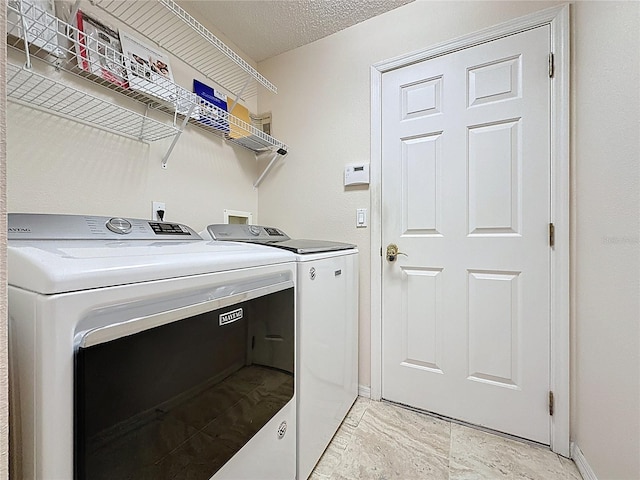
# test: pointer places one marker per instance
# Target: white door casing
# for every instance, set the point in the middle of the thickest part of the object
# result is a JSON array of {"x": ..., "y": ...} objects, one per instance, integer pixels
[
  {"x": 465, "y": 193},
  {"x": 492, "y": 288}
]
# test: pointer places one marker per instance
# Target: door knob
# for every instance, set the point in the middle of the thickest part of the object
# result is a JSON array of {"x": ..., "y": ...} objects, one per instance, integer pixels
[{"x": 393, "y": 252}]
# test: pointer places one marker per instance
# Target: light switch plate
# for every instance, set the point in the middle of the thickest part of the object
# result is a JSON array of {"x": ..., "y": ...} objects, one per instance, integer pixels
[{"x": 361, "y": 217}]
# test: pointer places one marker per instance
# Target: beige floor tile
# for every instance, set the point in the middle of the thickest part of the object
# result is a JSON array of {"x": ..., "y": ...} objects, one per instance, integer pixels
[
  {"x": 570, "y": 468},
  {"x": 480, "y": 455},
  {"x": 355, "y": 414},
  {"x": 394, "y": 443},
  {"x": 382, "y": 441},
  {"x": 318, "y": 476},
  {"x": 332, "y": 456}
]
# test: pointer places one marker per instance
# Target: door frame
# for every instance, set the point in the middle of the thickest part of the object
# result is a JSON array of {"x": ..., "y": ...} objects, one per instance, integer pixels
[{"x": 558, "y": 20}]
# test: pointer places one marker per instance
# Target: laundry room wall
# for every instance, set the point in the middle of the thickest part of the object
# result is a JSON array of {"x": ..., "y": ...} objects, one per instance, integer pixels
[
  {"x": 323, "y": 110},
  {"x": 56, "y": 165},
  {"x": 606, "y": 256}
]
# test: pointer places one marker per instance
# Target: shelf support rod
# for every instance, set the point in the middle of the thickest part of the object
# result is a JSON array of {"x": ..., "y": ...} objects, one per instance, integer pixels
[
  {"x": 239, "y": 94},
  {"x": 272, "y": 162},
  {"x": 175, "y": 139},
  {"x": 25, "y": 36},
  {"x": 144, "y": 121}
]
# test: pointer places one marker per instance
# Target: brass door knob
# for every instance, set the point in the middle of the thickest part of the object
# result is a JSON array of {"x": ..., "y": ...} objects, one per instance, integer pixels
[{"x": 393, "y": 251}]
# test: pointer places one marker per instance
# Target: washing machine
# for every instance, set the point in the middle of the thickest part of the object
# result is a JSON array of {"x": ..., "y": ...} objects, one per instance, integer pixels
[
  {"x": 327, "y": 309},
  {"x": 140, "y": 351}
]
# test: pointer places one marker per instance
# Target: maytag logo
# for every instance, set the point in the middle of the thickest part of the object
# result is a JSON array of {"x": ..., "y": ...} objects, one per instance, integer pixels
[
  {"x": 20, "y": 229},
  {"x": 230, "y": 317}
]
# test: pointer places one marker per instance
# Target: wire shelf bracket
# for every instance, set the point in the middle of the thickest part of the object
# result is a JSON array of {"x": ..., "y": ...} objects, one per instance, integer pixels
[
  {"x": 276, "y": 156},
  {"x": 177, "y": 137}
]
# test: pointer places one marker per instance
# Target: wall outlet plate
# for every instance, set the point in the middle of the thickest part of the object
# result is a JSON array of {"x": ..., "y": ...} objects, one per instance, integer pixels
[{"x": 155, "y": 206}]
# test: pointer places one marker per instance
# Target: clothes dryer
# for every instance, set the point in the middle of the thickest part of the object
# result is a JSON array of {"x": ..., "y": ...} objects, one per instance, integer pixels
[
  {"x": 138, "y": 350},
  {"x": 327, "y": 310}
]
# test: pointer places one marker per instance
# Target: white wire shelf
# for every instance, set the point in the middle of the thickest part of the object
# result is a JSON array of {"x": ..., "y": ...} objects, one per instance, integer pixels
[
  {"x": 212, "y": 119},
  {"x": 67, "y": 48},
  {"x": 176, "y": 31},
  {"x": 34, "y": 90}
]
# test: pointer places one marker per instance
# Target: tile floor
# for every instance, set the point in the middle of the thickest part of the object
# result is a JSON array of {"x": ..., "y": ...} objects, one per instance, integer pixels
[{"x": 381, "y": 441}]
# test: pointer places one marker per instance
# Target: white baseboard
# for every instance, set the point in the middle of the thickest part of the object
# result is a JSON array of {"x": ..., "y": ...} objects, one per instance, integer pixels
[
  {"x": 364, "y": 391},
  {"x": 582, "y": 464}
]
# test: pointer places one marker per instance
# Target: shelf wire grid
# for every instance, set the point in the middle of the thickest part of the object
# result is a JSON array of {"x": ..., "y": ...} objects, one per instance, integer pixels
[
  {"x": 174, "y": 29},
  {"x": 66, "y": 47},
  {"x": 32, "y": 89}
]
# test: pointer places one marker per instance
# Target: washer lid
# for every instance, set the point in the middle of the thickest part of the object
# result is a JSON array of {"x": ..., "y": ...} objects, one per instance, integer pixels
[
  {"x": 307, "y": 247},
  {"x": 57, "y": 266},
  {"x": 273, "y": 237},
  {"x": 244, "y": 233}
]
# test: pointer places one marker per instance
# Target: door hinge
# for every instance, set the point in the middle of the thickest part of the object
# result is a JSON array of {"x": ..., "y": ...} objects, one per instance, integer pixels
[
  {"x": 551, "y": 403},
  {"x": 552, "y": 235},
  {"x": 380, "y": 251},
  {"x": 551, "y": 65}
]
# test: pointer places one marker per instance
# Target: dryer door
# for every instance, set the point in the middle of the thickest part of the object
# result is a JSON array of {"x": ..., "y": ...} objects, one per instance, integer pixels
[{"x": 177, "y": 394}]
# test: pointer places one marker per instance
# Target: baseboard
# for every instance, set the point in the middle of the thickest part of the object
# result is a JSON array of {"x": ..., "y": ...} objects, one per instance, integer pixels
[
  {"x": 364, "y": 391},
  {"x": 581, "y": 462}
]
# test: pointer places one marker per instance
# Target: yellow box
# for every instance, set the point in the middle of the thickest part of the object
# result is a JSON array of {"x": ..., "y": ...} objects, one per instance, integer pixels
[{"x": 238, "y": 129}]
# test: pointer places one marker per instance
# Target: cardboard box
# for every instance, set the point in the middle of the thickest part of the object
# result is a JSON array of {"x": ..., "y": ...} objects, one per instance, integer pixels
[
  {"x": 241, "y": 113},
  {"x": 212, "y": 108},
  {"x": 98, "y": 50},
  {"x": 241, "y": 132}
]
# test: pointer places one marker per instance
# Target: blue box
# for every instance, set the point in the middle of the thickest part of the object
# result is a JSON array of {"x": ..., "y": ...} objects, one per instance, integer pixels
[{"x": 213, "y": 107}]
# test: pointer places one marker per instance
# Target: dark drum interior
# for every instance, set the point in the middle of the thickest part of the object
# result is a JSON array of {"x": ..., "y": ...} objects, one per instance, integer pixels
[{"x": 179, "y": 400}]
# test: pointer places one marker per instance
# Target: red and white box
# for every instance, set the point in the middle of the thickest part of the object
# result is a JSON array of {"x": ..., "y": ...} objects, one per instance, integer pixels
[{"x": 98, "y": 50}]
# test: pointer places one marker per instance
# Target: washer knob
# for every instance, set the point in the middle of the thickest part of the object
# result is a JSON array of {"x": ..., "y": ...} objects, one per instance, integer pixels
[
  {"x": 120, "y": 226},
  {"x": 254, "y": 230}
]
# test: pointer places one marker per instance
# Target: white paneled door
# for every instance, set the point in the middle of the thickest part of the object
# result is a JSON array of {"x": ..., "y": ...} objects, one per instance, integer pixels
[{"x": 466, "y": 198}]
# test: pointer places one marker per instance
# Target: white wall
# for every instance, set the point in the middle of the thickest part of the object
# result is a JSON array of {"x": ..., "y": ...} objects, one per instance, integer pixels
[
  {"x": 58, "y": 166},
  {"x": 323, "y": 112},
  {"x": 606, "y": 154}
]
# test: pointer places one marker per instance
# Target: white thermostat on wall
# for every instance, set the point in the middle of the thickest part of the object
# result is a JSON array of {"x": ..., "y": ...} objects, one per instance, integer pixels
[{"x": 357, "y": 174}]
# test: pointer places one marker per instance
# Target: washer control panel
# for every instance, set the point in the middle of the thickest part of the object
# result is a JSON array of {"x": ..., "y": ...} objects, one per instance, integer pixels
[
  {"x": 36, "y": 226},
  {"x": 246, "y": 233},
  {"x": 163, "y": 228},
  {"x": 119, "y": 225}
]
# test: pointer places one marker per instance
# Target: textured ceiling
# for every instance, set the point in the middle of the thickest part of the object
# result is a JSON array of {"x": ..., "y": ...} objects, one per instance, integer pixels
[{"x": 265, "y": 28}]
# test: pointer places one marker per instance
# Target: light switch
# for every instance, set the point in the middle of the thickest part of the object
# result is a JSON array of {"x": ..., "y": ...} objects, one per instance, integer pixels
[{"x": 361, "y": 217}]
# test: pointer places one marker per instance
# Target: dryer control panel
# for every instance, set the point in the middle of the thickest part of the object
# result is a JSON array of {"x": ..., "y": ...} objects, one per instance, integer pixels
[{"x": 37, "y": 226}]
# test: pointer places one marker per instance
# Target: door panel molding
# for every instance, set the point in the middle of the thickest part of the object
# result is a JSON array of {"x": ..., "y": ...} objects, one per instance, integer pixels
[{"x": 558, "y": 20}]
